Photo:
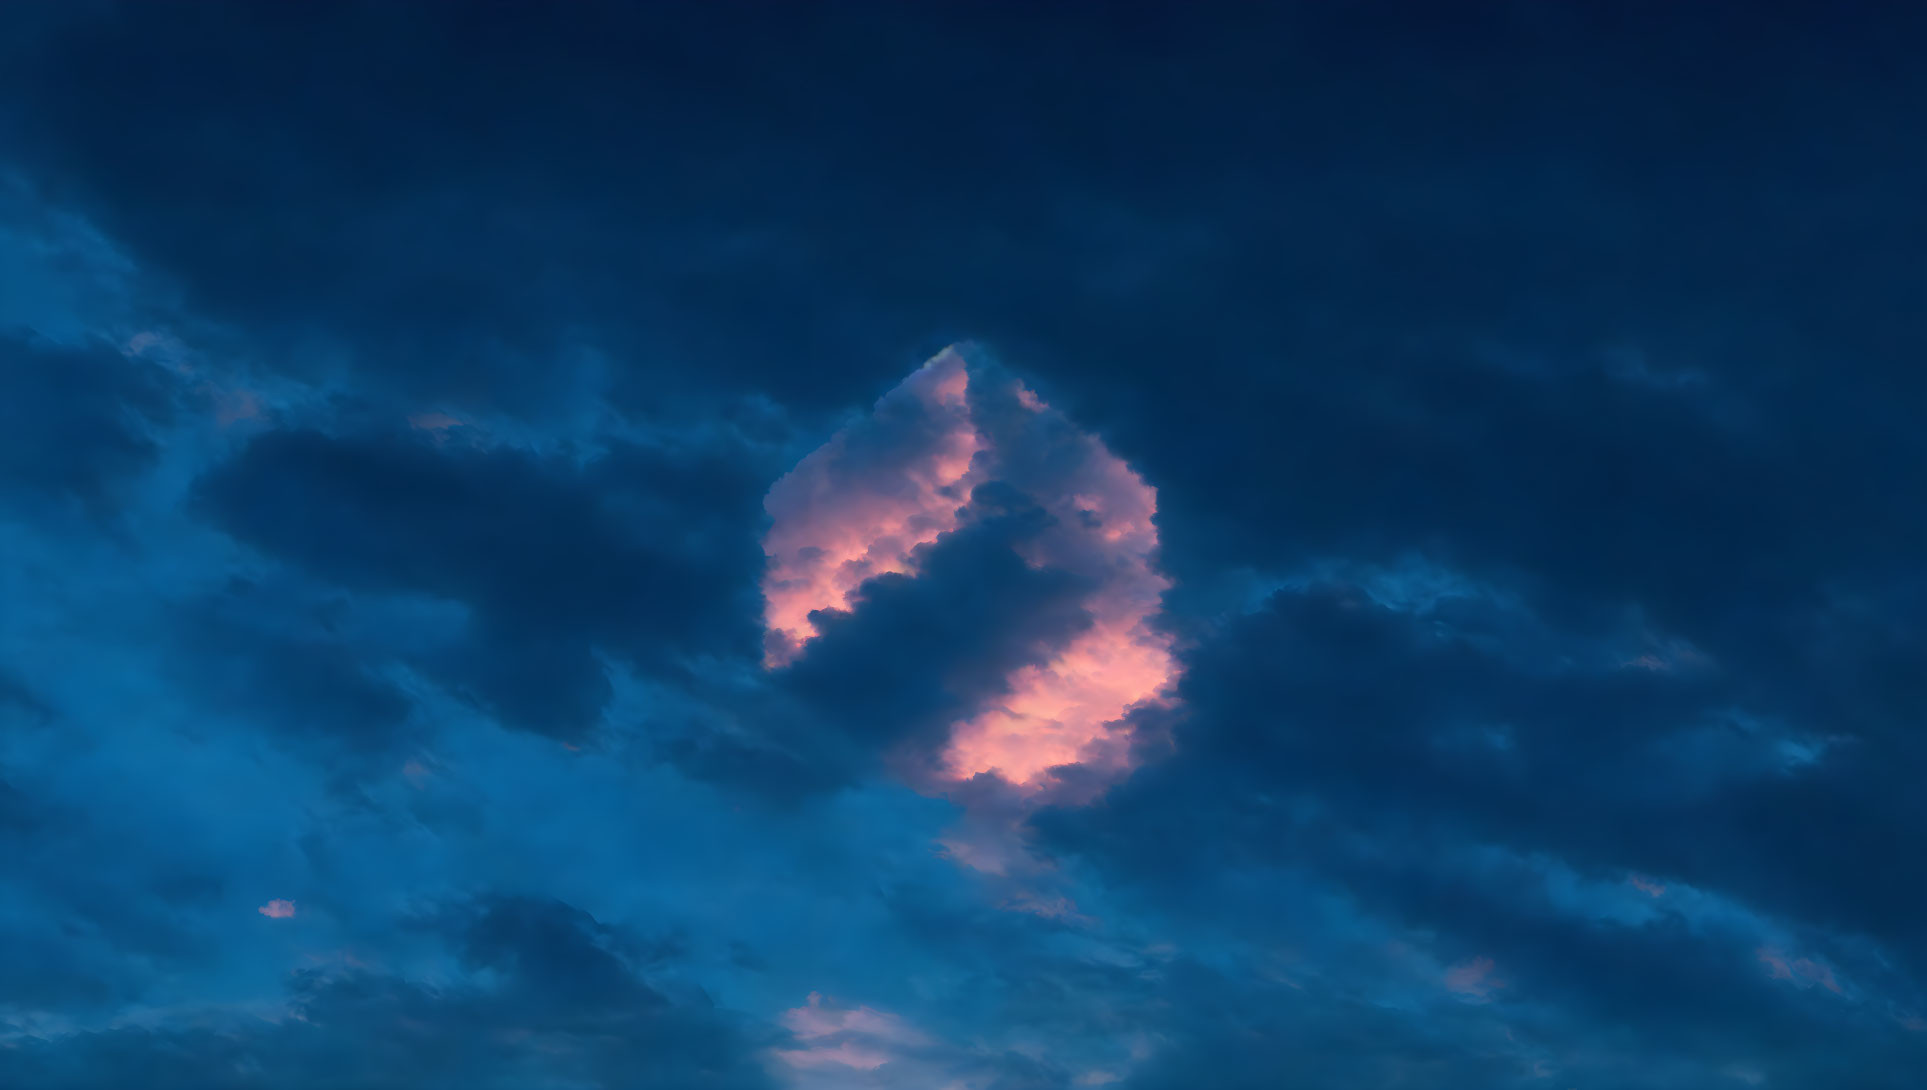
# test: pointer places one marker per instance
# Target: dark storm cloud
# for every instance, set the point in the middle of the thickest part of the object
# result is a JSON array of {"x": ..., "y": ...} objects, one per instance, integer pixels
[
  {"x": 76, "y": 423},
  {"x": 1636, "y": 234},
  {"x": 1387, "y": 754},
  {"x": 888, "y": 677},
  {"x": 565, "y": 1007},
  {"x": 1394, "y": 718},
  {"x": 1683, "y": 986},
  {"x": 1608, "y": 312},
  {"x": 637, "y": 553},
  {"x": 1241, "y": 1037},
  {"x": 748, "y": 219},
  {"x": 247, "y": 655}
]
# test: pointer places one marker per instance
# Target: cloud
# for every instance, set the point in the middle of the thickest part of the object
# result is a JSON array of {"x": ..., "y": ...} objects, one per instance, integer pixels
[
  {"x": 555, "y": 562},
  {"x": 868, "y": 503},
  {"x": 436, "y": 423},
  {"x": 848, "y": 1046},
  {"x": 859, "y": 1038},
  {"x": 273, "y": 658},
  {"x": 563, "y": 1004},
  {"x": 858, "y": 506},
  {"x": 1805, "y": 972},
  {"x": 1472, "y": 979},
  {"x": 1318, "y": 764},
  {"x": 1249, "y": 1037},
  {"x": 277, "y": 909},
  {"x": 1648, "y": 425},
  {"x": 78, "y": 423}
]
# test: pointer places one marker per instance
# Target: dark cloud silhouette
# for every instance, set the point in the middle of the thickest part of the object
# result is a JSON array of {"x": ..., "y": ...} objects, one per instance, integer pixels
[
  {"x": 565, "y": 1007},
  {"x": 248, "y": 658},
  {"x": 1390, "y": 754},
  {"x": 1529, "y": 396},
  {"x": 553, "y": 561},
  {"x": 887, "y": 678},
  {"x": 78, "y": 421}
]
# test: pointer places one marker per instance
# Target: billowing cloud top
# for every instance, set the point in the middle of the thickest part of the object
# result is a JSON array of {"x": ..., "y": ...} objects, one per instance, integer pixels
[{"x": 882, "y": 489}]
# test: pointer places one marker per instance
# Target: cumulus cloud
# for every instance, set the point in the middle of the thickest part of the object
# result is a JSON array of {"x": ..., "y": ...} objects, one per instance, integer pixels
[{"x": 884, "y": 491}]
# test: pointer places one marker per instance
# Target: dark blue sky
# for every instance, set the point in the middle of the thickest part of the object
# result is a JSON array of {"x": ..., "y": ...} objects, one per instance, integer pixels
[{"x": 431, "y": 654}]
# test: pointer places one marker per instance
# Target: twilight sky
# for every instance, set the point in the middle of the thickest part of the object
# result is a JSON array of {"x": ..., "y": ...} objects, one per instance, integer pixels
[{"x": 736, "y": 546}]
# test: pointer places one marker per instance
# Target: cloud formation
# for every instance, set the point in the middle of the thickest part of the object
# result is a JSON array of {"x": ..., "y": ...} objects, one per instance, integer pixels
[
  {"x": 382, "y": 501},
  {"x": 885, "y": 490}
]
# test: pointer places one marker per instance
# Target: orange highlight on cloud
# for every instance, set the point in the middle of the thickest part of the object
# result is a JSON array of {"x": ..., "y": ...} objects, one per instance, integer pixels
[{"x": 860, "y": 505}]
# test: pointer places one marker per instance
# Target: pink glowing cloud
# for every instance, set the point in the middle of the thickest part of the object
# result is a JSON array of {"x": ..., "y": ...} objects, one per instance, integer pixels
[
  {"x": 859, "y": 506},
  {"x": 435, "y": 423},
  {"x": 1667, "y": 656},
  {"x": 1815, "y": 973},
  {"x": 1472, "y": 979},
  {"x": 234, "y": 406},
  {"x": 1649, "y": 886},
  {"x": 844, "y": 1055},
  {"x": 1804, "y": 972},
  {"x": 1061, "y": 909},
  {"x": 861, "y": 1038},
  {"x": 838, "y": 518},
  {"x": 994, "y": 853},
  {"x": 818, "y": 1018},
  {"x": 277, "y": 909}
]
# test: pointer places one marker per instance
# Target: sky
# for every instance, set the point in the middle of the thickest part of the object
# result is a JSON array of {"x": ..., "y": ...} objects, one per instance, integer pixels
[{"x": 962, "y": 547}]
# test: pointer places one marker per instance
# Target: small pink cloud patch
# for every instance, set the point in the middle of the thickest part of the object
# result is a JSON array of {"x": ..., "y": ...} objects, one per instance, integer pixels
[
  {"x": 435, "y": 423},
  {"x": 1649, "y": 886},
  {"x": 231, "y": 407},
  {"x": 277, "y": 909},
  {"x": 860, "y": 1038},
  {"x": 1472, "y": 979},
  {"x": 845, "y": 515},
  {"x": 1062, "y": 909},
  {"x": 1804, "y": 972},
  {"x": 1668, "y": 656}
]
